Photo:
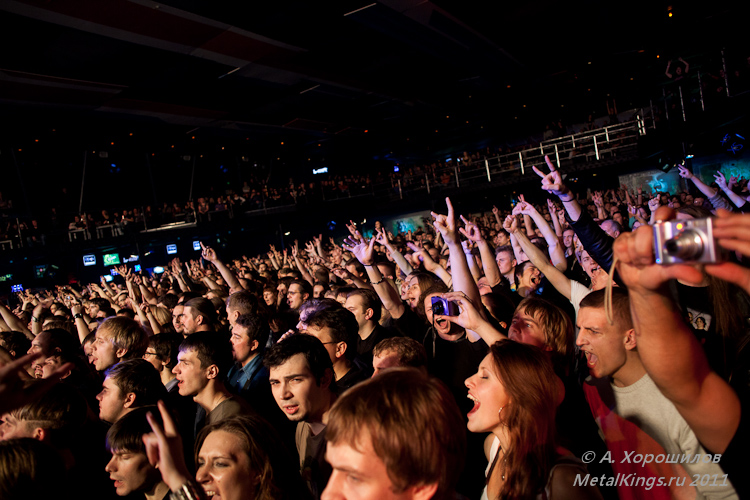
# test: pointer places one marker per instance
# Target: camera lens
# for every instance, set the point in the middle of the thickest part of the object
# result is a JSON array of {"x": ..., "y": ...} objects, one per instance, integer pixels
[
  {"x": 437, "y": 308},
  {"x": 687, "y": 246}
]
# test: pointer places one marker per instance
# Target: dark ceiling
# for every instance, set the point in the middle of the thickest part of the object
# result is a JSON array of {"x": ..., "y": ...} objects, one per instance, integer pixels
[{"x": 372, "y": 79}]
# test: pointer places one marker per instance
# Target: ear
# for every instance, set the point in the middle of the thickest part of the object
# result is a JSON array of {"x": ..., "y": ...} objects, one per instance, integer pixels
[
  {"x": 368, "y": 313},
  {"x": 254, "y": 345},
  {"x": 212, "y": 372},
  {"x": 121, "y": 352},
  {"x": 422, "y": 492},
  {"x": 340, "y": 349},
  {"x": 129, "y": 400},
  {"x": 200, "y": 320},
  {"x": 630, "y": 342},
  {"x": 39, "y": 434}
]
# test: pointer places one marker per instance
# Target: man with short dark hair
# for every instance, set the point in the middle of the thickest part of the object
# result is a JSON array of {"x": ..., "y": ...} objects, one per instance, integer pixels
[
  {"x": 302, "y": 381},
  {"x": 629, "y": 408},
  {"x": 298, "y": 292},
  {"x": 365, "y": 305},
  {"x": 337, "y": 329},
  {"x": 198, "y": 315},
  {"x": 203, "y": 362},
  {"x": 129, "y": 384},
  {"x": 248, "y": 375},
  {"x": 129, "y": 466},
  {"x": 162, "y": 354}
]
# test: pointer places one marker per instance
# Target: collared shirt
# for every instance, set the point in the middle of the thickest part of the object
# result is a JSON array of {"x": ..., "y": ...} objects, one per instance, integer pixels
[{"x": 238, "y": 375}]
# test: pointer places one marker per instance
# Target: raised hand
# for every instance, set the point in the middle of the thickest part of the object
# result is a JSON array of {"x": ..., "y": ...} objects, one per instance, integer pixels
[
  {"x": 352, "y": 227},
  {"x": 653, "y": 203},
  {"x": 468, "y": 317},
  {"x": 164, "y": 449},
  {"x": 634, "y": 252},
  {"x": 551, "y": 208},
  {"x": 510, "y": 224},
  {"x": 382, "y": 237},
  {"x": 342, "y": 273},
  {"x": 552, "y": 182},
  {"x": 733, "y": 233},
  {"x": 446, "y": 224},
  {"x": 684, "y": 172},
  {"x": 208, "y": 253},
  {"x": 362, "y": 250},
  {"x": 597, "y": 199},
  {"x": 470, "y": 231},
  {"x": 721, "y": 180}
]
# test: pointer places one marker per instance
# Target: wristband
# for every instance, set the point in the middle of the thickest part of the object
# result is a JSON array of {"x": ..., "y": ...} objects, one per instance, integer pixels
[
  {"x": 35, "y": 319},
  {"x": 368, "y": 265},
  {"x": 78, "y": 316},
  {"x": 382, "y": 279},
  {"x": 566, "y": 200}
]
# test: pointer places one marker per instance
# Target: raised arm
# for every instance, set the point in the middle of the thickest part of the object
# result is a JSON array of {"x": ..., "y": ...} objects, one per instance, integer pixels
[
  {"x": 471, "y": 319},
  {"x": 541, "y": 261},
  {"x": 552, "y": 183},
  {"x": 708, "y": 191},
  {"x": 738, "y": 200},
  {"x": 209, "y": 254},
  {"x": 430, "y": 264},
  {"x": 364, "y": 253},
  {"x": 462, "y": 278},
  {"x": 303, "y": 269},
  {"x": 489, "y": 264},
  {"x": 511, "y": 226},
  {"x": 556, "y": 252},
  {"x": 398, "y": 258},
  {"x": 668, "y": 349},
  {"x": 555, "y": 219},
  {"x": 14, "y": 322}
]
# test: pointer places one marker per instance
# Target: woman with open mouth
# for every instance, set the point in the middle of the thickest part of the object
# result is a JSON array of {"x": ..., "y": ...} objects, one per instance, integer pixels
[{"x": 514, "y": 395}]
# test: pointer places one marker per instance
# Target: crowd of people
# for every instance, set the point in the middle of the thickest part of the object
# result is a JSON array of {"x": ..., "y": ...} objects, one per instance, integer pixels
[{"x": 533, "y": 351}]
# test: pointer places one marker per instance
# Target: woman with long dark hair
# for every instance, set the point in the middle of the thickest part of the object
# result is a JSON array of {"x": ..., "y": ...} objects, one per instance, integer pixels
[{"x": 514, "y": 394}]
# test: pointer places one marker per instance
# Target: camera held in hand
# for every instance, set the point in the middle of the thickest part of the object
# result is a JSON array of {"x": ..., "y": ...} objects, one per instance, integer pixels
[
  {"x": 444, "y": 307},
  {"x": 682, "y": 241}
]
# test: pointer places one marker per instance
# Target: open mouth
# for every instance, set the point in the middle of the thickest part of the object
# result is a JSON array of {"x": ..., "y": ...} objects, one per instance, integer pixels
[
  {"x": 476, "y": 404},
  {"x": 291, "y": 409},
  {"x": 591, "y": 359}
]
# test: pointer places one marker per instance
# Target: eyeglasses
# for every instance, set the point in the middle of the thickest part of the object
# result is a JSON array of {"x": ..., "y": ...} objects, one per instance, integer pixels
[{"x": 149, "y": 354}]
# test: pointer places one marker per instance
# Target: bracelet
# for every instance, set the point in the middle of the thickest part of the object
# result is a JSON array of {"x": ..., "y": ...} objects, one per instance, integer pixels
[
  {"x": 566, "y": 200},
  {"x": 382, "y": 279},
  {"x": 369, "y": 265},
  {"x": 35, "y": 319},
  {"x": 78, "y": 316}
]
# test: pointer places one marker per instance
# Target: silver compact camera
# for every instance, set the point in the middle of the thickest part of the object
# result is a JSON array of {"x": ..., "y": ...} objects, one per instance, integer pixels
[{"x": 691, "y": 240}]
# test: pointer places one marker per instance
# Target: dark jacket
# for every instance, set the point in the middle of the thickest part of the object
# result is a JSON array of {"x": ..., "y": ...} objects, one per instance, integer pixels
[{"x": 593, "y": 238}]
